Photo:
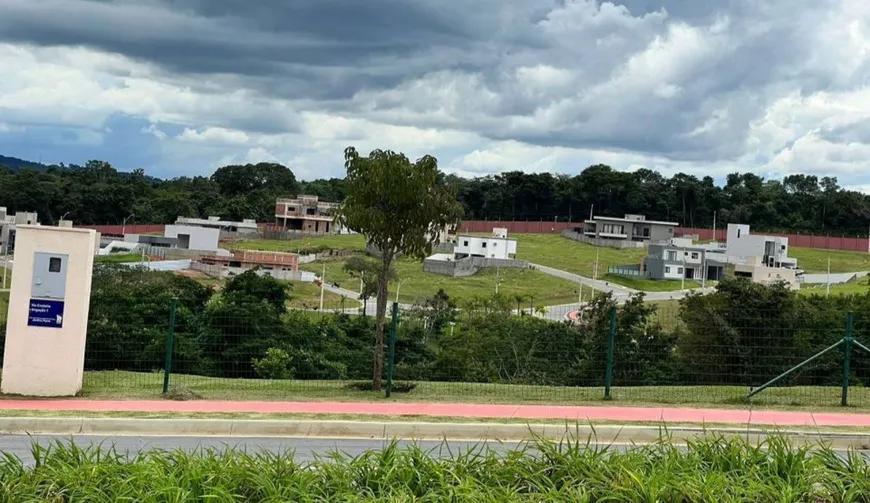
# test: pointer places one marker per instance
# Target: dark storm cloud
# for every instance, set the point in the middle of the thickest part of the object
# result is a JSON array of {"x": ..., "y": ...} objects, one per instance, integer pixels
[{"x": 327, "y": 53}]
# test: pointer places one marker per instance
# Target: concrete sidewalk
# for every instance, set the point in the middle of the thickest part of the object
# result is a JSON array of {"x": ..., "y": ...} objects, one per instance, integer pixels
[{"x": 581, "y": 414}]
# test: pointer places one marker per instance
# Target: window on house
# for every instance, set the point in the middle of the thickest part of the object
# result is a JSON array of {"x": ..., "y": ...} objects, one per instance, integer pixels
[
  {"x": 782, "y": 248},
  {"x": 672, "y": 255},
  {"x": 667, "y": 270},
  {"x": 484, "y": 244},
  {"x": 465, "y": 243},
  {"x": 679, "y": 270},
  {"x": 694, "y": 256},
  {"x": 54, "y": 264}
]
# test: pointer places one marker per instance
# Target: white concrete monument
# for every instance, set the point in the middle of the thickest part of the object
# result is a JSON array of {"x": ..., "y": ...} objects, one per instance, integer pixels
[{"x": 48, "y": 311}]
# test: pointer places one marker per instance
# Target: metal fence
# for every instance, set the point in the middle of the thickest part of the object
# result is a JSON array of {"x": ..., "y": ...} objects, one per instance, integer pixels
[{"x": 734, "y": 358}]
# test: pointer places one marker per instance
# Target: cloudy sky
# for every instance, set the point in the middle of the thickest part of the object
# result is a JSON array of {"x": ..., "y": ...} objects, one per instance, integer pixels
[{"x": 183, "y": 86}]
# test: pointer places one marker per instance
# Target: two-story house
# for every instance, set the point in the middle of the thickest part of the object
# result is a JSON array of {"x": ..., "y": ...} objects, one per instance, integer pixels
[
  {"x": 630, "y": 228},
  {"x": 306, "y": 213},
  {"x": 678, "y": 259}
]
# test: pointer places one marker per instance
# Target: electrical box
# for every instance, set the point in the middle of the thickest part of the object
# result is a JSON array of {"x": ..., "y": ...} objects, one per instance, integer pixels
[{"x": 49, "y": 276}]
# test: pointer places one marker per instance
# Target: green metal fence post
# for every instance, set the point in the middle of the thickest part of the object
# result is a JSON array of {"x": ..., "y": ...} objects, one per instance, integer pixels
[
  {"x": 391, "y": 362},
  {"x": 611, "y": 342},
  {"x": 847, "y": 359},
  {"x": 170, "y": 343}
]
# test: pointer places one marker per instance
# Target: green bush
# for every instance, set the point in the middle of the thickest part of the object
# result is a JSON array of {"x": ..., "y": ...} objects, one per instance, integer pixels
[{"x": 275, "y": 365}]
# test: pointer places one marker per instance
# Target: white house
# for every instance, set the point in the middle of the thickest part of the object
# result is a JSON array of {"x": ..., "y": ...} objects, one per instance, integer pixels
[
  {"x": 488, "y": 247},
  {"x": 194, "y": 238},
  {"x": 772, "y": 249}
]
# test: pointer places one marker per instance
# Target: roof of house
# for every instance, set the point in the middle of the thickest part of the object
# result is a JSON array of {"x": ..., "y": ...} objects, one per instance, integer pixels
[{"x": 634, "y": 221}]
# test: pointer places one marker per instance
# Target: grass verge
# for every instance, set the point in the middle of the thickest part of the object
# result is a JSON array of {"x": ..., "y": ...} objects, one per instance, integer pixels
[{"x": 130, "y": 385}]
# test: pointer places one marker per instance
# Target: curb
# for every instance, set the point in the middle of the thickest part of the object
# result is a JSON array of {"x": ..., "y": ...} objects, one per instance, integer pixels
[{"x": 600, "y": 434}]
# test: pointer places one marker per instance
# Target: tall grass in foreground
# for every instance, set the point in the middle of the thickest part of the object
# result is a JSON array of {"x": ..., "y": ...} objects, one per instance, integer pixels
[{"x": 710, "y": 470}]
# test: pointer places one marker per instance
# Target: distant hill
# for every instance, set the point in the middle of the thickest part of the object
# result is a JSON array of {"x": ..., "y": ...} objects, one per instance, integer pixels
[{"x": 16, "y": 164}]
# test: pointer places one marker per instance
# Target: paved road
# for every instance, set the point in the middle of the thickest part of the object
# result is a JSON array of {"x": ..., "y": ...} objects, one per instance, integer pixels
[{"x": 305, "y": 449}]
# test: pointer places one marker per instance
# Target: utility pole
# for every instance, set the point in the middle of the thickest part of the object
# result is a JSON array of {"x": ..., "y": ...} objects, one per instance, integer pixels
[
  {"x": 322, "y": 286},
  {"x": 703, "y": 269},
  {"x": 497, "y": 277},
  {"x": 714, "y": 226},
  {"x": 595, "y": 270},
  {"x": 591, "y": 208},
  {"x": 683, "y": 276},
  {"x": 828, "y": 286}
]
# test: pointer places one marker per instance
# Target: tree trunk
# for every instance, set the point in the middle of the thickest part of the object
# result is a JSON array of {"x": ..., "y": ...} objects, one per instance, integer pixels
[{"x": 380, "y": 322}]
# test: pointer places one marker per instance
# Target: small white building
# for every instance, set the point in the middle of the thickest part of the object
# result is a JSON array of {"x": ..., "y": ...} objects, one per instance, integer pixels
[
  {"x": 487, "y": 247},
  {"x": 194, "y": 238}
]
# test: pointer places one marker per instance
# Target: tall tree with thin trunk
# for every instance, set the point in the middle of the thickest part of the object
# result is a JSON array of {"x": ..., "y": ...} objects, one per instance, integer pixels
[{"x": 401, "y": 208}]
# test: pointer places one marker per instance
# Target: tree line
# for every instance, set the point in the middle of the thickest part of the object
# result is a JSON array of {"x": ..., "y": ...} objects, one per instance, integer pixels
[
  {"x": 742, "y": 335},
  {"x": 99, "y": 194}
]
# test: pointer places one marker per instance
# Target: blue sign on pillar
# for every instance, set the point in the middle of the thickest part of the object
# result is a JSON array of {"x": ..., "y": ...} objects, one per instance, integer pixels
[{"x": 45, "y": 313}]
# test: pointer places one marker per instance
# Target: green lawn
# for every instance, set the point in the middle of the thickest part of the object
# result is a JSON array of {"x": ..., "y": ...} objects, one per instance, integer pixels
[
  {"x": 579, "y": 258},
  {"x": 306, "y": 244},
  {"x": 120, "y": 258},
  {"x": 651, "y": 285},
  {"x": 130, "y": 385},
  {"x": 816, "y": 261},
  {"x": 546, "y": 290}
]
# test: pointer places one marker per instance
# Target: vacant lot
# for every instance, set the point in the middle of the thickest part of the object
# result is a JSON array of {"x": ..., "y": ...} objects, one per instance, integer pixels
[
  {"x": 307, "y": 296},
  {"x": 858, "y": 287},
  {"x": 536, "y": 287},
  {"x": 308, "y": 244},
  {"x": 816, "y": 261}
]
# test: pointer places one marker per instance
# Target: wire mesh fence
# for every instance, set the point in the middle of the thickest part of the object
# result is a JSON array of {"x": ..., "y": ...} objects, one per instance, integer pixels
[
  {"x": 157, "y": 334},
  {"x": 634, "y": 353}
]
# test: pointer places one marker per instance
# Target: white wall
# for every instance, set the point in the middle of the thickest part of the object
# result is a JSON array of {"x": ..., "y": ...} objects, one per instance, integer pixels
[
  {"x": 486, "y": 247},
  {"x": 201, "y": 238},
  {"x": 48, "y": 361}
]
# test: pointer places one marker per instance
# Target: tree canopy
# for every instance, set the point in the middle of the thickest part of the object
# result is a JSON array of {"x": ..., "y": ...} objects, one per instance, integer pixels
[
  {"x": 99, "y": 194},
  {"x": 400, "y": 207}
]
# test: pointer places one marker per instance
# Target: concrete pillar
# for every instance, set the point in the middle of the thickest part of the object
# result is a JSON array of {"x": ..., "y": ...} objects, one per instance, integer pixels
[{"x": 48, "y": 311}]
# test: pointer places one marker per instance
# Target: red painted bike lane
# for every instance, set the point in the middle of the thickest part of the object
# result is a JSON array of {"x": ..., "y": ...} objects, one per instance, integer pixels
[{"x": 453, "y": 410}]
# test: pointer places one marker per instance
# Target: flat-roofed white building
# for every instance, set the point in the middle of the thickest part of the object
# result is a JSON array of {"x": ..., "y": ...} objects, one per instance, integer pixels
[{"x": 487, "y": 247}]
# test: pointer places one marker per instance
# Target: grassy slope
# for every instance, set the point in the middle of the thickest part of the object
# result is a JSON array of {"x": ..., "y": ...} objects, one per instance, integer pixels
[
  {"x": 816, "y": 261},
  {"x": 307, "y": 296},
  {"x": 579, "y": 258},
  {"x": 149, "y": 385},
  {"x": 415, "y": 283},
  {"x": 650, "y": 285},
  {"x": 859, "y": 287}
]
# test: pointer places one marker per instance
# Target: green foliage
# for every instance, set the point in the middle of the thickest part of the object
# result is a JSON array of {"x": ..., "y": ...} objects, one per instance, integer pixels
[
  {"x": 276, "y": 364},
  {"x": 250, "y": 287},
  {"x": 97, "y": 194},
  {"x": 401, "y": 208},
  {"x": 398, "y": 205},
  {"x": 710, "y": 469}
]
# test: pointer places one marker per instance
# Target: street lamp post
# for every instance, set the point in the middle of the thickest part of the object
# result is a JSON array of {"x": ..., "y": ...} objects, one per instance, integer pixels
[{"x": 124, "y": 223}]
